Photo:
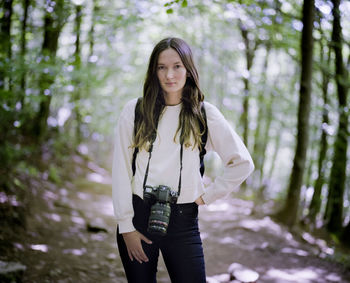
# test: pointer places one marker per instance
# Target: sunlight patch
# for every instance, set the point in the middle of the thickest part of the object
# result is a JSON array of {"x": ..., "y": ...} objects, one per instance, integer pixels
[
  {"x": 41, "y": 248},
  {"x": 112, "y": 256},
  {"x": 97, "y": 178},
  {"x": 218, "y": 206},
  {"x": 18, "y": 246},
  {"x": 293, "y": 275},
  {"x": 49, "y": 196},
  {"x": 204, "y": 235},
  {"x": 298, "y": 252},
  {"x": 12, "y": 199},
  {"x": 107, "y": 207},
  {"x": 333, "y": 277},
  {"x": 83, "y": 196},
  {"x": 98, "y": 237},
  {"x": 76, "y": 252},
  {"x": 54, "y": 217},
  {"x": 228, "y": 240},
  {"x": 256, "y": 225},
  {"x": 78, "y": 220},
  {"x": 322, "y": 245}
]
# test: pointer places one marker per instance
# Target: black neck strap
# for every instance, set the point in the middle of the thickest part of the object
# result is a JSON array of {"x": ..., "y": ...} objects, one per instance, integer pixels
[{"x": 149, "y": 158}]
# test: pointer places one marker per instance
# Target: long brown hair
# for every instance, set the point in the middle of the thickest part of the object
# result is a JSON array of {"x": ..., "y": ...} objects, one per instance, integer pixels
[{"x": 153, "y": 102}]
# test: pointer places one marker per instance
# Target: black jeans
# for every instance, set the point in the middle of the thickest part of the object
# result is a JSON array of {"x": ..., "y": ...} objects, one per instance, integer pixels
[{"x": 181, "y": 248}]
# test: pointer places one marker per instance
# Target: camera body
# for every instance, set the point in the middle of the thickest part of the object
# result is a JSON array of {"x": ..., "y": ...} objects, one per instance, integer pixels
[
  {"x": 162, "y": 194},
  {"x": 160, "y": 199}
]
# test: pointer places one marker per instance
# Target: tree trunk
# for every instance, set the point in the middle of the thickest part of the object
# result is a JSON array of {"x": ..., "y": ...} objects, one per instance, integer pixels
[
  {"x": 6, "y": 96},
  {"x": 92, "y": 29},
  {"x": 5, "y": 51},
  {"x": 315, "y": 203},
  {"x": 259, "y": 150},
  {"x": 26, "y": 4},
  {"x": 77, "y": 81},
  {"x": 53, "y": 23},
  {"x": 249, "y": 54},
  {"x": 334, "y": 209},
  {"x": 346, "y": 235},
  {"x": 265, "y": 140},
  {"x": 289, "y": 213},
  {"x": 274, "y": 157}
]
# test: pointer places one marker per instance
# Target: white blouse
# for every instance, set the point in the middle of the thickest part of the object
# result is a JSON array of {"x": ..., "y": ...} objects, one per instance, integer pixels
[{"x": 164, "y": 168}]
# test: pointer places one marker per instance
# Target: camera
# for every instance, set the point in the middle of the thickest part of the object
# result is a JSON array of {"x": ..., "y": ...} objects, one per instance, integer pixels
[{"x": 160, "y": 199}]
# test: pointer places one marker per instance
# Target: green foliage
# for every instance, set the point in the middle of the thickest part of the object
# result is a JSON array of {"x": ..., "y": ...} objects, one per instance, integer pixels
[
  {"x": 18, "y": 183},
  {"x": 172, "y": 4},
  {"x": 54, "y": 174},
  {"x": 27, "y": 168}
]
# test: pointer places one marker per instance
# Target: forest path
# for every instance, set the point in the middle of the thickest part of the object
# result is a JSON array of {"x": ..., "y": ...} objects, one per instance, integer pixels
[{"x": 59, "y": 247}]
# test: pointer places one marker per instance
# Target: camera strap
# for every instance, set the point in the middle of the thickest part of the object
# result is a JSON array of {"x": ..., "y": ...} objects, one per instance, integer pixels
[{"x": 149, "y": 158}]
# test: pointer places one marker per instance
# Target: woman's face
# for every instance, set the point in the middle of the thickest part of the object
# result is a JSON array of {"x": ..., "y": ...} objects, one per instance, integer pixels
[{"x": 171, "y": 73}]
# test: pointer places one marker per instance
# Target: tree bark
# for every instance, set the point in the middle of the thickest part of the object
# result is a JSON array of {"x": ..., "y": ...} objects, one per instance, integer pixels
[
  {"x": 334, "y": 209},
  {"x": 273, "y": 159},
  {"x": 265, "y": 140},
  {"x": 346, "y": 235},
  {"x": 315, "y": 203},
  {"x": 289, "y": 213},
  {"x": 77, "y": 81},
  {"x": 6, "y": 96},
  {"x": 5, "y": 51},
  {"x": 53, "y": 23},
  {"x": 249, "y": 55},
  {"x": 92, "y": 28},
  {"x": 26, "y": 4},
  {"x": 263, "y": 121}
]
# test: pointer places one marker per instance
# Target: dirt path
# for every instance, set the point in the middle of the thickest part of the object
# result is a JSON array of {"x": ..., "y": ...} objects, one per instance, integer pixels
[{"x": 59, "y": 247}]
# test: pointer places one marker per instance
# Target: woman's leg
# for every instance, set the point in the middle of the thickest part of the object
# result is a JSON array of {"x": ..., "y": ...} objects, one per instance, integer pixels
[
  {"x": 182, "y": 247},
  {"x": 140, "y": 272}
]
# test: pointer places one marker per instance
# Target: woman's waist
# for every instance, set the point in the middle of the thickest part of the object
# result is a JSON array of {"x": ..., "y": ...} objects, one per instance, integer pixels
[{"x": 187, "y": 194}]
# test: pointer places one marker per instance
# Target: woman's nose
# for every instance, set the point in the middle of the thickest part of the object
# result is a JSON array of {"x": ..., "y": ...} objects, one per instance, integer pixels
[{"x": 169, "y": 73}]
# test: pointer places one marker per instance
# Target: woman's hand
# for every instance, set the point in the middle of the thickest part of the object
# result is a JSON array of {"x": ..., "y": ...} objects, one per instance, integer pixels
[
  {"x": 134, "y": 246},
  {"x": 199, "y": 201}
]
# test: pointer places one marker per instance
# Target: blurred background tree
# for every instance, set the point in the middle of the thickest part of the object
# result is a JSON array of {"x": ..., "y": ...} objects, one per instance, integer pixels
[{"x": 68, "y": 67}]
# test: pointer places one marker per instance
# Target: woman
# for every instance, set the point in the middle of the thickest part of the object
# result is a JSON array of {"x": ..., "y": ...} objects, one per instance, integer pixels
[{"x": 168, "y": 140}]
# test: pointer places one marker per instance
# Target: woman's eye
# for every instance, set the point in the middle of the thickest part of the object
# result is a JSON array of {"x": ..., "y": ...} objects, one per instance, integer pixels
[
  {"x": 160, "y": 67},
  {"x": 177, "y": 66}
]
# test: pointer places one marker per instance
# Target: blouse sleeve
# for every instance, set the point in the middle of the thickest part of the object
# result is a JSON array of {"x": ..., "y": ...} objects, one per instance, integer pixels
[
  {"x": 238, "y": 164},
  {"x": 122, "y": 171}
]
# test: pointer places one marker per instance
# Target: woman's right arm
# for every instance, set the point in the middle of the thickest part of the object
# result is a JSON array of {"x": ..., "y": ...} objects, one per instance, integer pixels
[
  {"x": 121, "y": 170},
  {"x": 121, "y": 184}
]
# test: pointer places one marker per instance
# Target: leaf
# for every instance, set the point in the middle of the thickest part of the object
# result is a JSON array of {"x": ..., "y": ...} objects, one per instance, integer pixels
[
  {"x": 18, "y": 183},
  {"x": 169, "y": 11},
  {"x": 184, "y": 4}
]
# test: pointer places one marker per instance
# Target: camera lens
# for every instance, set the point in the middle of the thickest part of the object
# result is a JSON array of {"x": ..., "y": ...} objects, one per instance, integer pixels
[{"x": 159, "y": 218}]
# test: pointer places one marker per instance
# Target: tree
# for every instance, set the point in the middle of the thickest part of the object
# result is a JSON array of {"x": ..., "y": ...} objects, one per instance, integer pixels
[
  {"x": 77, "y": 80},
  {"x": 54, "y": 20},
  {"x": 92, "y": 28},
  {"x": 262, "y": 129},
  {"x": 250, "y": 48},
  {"x": 315, "y": 203},
  {"x": 334, "y": 208},
  {"x": 6, "y": 97},
  {"x": 5, "y": 46},
  {"x": 26, "y": 4},
  {"x": 290, "y": 210}
]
